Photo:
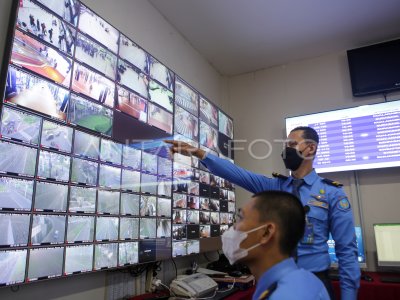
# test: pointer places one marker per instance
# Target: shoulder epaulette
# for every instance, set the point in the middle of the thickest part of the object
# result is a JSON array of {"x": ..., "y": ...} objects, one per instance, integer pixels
[
  {"x": 332, "y": 182},
  {"x": 277, "y": 175}
]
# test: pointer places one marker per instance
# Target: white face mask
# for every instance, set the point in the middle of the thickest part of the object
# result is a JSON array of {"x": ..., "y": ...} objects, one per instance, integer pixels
[{"x": 231, "y": 240}]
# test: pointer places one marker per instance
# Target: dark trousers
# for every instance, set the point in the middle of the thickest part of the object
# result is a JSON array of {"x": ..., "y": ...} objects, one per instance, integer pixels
[{"x": 324, "y": 277}]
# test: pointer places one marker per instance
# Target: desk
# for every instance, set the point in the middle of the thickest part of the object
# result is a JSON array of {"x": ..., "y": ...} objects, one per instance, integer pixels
[{"x": 374, "y": 290}]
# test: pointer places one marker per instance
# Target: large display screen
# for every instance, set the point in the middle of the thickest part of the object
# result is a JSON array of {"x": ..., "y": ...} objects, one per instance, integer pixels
[
  {"x": 387, "y": 237},
  {"x": 363, "y": 137},
  {"x": 78, "y": 97}
]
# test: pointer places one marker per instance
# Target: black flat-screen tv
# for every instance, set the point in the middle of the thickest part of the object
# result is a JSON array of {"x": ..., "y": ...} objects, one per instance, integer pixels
[{"x": 375, "y": 69}]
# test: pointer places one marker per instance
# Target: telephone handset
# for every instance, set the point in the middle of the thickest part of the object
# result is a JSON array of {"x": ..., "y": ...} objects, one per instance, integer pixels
[{"x": 194, "y": 286}]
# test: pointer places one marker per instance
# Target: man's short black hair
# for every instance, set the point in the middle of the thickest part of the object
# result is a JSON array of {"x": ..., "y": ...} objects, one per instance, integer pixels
[
  {"x": 308, "y": 133},
  {"x": 287, "y": 211}
]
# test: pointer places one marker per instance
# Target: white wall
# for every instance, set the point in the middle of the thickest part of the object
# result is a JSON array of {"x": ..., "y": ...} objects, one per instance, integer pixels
[
  {"x": 260, "y": 101},
  {"x": 141, "y": 22}
]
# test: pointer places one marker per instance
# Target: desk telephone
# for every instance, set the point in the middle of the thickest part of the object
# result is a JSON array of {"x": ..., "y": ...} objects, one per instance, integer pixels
[{"x": 193, "y": 286}]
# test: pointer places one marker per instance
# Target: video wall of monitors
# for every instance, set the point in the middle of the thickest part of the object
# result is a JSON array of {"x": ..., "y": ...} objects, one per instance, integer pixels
[{"x": 70, "y": 194}]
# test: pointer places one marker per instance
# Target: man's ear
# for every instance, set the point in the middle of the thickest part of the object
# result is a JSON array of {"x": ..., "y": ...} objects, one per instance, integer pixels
[
  {"x": 269, "y": 232},
  {"x": 313, "y": 149}
]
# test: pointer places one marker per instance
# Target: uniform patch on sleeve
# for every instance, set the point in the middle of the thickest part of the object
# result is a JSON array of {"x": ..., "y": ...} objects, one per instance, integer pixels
[{"x": 343, "y": 204}]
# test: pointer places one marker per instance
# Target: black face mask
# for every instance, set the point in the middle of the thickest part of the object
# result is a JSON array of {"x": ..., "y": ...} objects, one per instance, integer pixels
[{"x": 291, "y": 158}]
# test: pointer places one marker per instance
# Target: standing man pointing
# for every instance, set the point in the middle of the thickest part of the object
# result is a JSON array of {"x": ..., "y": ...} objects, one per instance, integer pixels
[{"x": 326, "y": 205}]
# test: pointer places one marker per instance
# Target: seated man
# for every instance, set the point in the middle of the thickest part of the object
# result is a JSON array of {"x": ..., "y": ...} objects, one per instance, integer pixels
[{"x": 265, "y": 234}]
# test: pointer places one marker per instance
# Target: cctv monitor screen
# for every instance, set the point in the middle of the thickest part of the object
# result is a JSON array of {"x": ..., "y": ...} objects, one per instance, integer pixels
[
  {"x": 110, "y": 152},
  {"x": 131, "y": 104},
  {"x": 51, "y": 197},
  {"x": 204, "y": 177},
  {"x": 129, "y": 228},
  {"x": 208, "y": 112},
  {"x": 161, "y": 96},
  {"x": 148, "y": 206},
  {"x": 131, "y": 157},
  {"x": 149, "y": 184},
  {"x": 179, "y": 200},
  {"x": 131, "y": 52},
  {"x": 15, "y": 262},
  {"x": 182, "y": 159},
  {"x": 179, "y": 249},
  {"x": 107, "y": 202},
  {"x": 130, "y": 180},
  {"x": 53, "y": 268},
  {"x": 109, "y": 177},
  {"x": 56, "y": 137},
  {"x": 214, "y": 218},
  {"x": 84, "y": 171},
  {"x": 69, "y": 11},
  {"x": 53, "y": 166},
  {"x": 147, "y": 251},
  {"x": 90, "y": 115},
  {"x": 47, "y": 229},
  {"x": 128, "y": 253},
  {"x": 179, "y": 216},
  {"x": 223, "y": 205},
  {"x": 231, "y": 207},
  {"x": 36, "y": 57},
  {"x": 93, "y": 85},
  {"x": 192, "y": 217},
  {"x": 186, "y": 124},
  {"x": 148, "y": 228},
  {"x": 163, "y": 228},
  {"x": 193, "y": 202},
  {"x": 97, "y": 28},
  {"x": 17, "y": 159},
  {"x": 164, "y": 187},
  {"x": 107, "y": 228},
  {"x": 214, "y": 205},
  {"x": 161, "y": 73},
  {"x": 193, "y": 247},
  {"x": 357, "y": 138},
  {"x": 82, "y": 199},
  {"x": 164, "y": 207},
  {"x": 86, "y": 145},
  {"x": 223, "y": 228},
  {"x": 387, "y": 237},
  {"x": 164, "y": 167},
  {"x": 132, "y": 78},
  {"x": 180, "y": 185},
  {"x": 78, "y": 259},
  {"x": 225, "y": 124},
  {"x": 193, "y": 188},
  {"x": 105, "y": 256},
  {"x": 46, "y": 26},
  {"x": 204, "y": 217},
  {"x": 208, "y": 136},
  {"x": 178, "y": 232},
  {"x": 34, "y": 93},
  {"x": 192, "y": 231},
  {"x": 205, "y": 231},
  {"x": 19, "y": 126},
  {"x": 80, "y": 229},
  {"x": 149, "y": 163},
  {"x": 215, "y": 230},
  {"x": 186, "y": 97},
  {"x": 160, "y": 118},
  {"x": 130, "y": 204},
  {"x": 96, "y": 56},
  {"x": 15, "y": 194},
  {"x": 182, "y": 171},
  {"x": 204, "y": 203},
  {"x": 17, "y": 230}
]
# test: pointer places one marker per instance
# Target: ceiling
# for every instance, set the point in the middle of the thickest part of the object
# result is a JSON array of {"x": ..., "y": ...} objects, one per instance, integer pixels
[{"x": 240, "y": 36}]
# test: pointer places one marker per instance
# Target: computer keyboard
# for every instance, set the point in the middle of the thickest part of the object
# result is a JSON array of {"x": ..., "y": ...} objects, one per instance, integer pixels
[{"x": 390, "y": 279}]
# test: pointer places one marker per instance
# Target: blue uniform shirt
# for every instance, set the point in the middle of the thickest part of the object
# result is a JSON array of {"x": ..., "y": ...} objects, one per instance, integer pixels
[
  {"x": 291, "y": 283},
  {"x": 329, "y": 212}
]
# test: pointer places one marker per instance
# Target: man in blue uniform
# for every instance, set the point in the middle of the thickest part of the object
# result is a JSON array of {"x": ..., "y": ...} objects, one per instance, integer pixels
[
  {"x": 267, "y": 230},
  {"x": 327, "y": 206}
]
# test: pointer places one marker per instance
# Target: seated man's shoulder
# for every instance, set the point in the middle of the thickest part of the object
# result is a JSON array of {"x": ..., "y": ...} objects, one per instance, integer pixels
[{"x": 298, "y": 285}]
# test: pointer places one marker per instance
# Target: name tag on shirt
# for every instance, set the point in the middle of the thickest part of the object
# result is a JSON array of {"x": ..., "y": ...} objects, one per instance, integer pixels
[{"x": 308, "y": 237}]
